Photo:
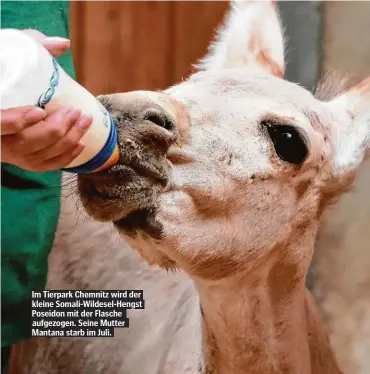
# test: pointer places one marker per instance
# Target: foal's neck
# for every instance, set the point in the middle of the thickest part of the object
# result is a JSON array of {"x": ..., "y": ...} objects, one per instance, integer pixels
[{"x": 265, "y": 323}]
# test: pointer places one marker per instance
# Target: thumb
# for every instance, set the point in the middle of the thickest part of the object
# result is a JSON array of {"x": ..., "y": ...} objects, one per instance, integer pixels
[{"x": 54, "y": 44}]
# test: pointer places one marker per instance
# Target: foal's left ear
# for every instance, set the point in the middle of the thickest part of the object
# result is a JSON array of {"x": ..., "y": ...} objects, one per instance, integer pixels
[
  {"x": 350, "y": 130},
  {"x": 250, "y": 37}
]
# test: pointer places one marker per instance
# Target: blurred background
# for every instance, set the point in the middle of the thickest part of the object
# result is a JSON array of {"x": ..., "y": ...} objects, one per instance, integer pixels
[
  {"x": 126, "y": 45},
  {"x": 122, "y": 45}
]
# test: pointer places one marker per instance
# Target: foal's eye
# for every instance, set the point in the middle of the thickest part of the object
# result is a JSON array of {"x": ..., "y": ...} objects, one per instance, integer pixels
[{"x": 289, "y": 144}]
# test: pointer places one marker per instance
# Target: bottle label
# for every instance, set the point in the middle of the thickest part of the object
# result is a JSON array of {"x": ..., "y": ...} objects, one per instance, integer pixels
[
  {"x": 106, "y": 116},
  {"x": 54, "y": 81}
]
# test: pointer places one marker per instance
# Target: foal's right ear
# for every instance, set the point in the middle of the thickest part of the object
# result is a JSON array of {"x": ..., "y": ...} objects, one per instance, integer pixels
[{"x": 250, "y": 37}]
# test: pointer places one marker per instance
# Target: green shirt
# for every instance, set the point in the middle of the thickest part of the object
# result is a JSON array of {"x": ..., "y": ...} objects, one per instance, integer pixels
[{"x": 30, "y": 202}]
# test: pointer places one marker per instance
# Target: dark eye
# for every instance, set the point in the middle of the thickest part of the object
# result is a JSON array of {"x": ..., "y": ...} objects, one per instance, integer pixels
[{"x": 289, "y": 144}]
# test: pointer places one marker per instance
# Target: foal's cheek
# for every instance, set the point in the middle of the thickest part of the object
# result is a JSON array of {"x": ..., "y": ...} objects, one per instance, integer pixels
[
  {"x": 178, "y": 218},
  {"x": 175, "y": 208}
]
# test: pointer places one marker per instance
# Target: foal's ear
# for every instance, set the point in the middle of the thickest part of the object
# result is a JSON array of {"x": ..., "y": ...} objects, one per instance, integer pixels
[
  {"x": 350, "y": 130},
  {"x": 250, "y": 37}
]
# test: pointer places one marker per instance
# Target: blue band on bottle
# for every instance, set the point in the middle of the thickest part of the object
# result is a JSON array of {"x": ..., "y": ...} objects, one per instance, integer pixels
[
  {"x": 54, "y": 82},
  {"x": 102, "y": 157}
]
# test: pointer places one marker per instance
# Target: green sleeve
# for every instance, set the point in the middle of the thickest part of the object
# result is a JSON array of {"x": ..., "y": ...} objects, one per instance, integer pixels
[{"x": 30, "y": 202}]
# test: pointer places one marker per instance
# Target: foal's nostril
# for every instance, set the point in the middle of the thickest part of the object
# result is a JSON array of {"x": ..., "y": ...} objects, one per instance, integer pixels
[{"x": 160, "y": 120}]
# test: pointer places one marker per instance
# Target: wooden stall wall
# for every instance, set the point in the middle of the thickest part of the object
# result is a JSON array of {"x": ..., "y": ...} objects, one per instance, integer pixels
[{"x": 129, "y": 45}]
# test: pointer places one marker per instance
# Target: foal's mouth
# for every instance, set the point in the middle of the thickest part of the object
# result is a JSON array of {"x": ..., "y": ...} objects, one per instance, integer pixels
[
  {"x": 126, "y": 194},
  {"x": 143, "y": 220}
]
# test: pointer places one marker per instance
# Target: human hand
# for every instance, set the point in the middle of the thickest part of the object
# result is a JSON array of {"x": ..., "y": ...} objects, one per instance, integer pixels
[
  {"x": 36, "y": 142},
  {"x": 54, "y": 44}
]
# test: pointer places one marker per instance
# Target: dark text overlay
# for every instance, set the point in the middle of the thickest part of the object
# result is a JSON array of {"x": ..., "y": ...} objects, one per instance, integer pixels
[{"x": 82, "y": 313}]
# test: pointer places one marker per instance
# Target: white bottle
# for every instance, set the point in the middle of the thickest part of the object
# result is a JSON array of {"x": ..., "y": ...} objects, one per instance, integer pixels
[{"x": 29, "y": 75}]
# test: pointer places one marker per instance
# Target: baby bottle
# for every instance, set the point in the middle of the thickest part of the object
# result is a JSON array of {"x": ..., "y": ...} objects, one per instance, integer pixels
[{"x": 29, "y": 75}]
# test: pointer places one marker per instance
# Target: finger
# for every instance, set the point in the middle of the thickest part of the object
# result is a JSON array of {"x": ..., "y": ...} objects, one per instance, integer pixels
[
  {"x": 63, "y": 160},
  {"x": 15, "y": 120},
  {"x": 52, "y": 164},
  {"x": 35, "y": 34},
  {"x": 54, "y": 44},
  {"x": 69, "y": 141},
  {"x": 45, "y": 133},
  {"x": 6, "y": 152}
]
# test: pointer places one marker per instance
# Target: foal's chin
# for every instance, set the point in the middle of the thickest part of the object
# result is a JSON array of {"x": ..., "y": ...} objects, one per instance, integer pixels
[{"x": 122, "y": 197}]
